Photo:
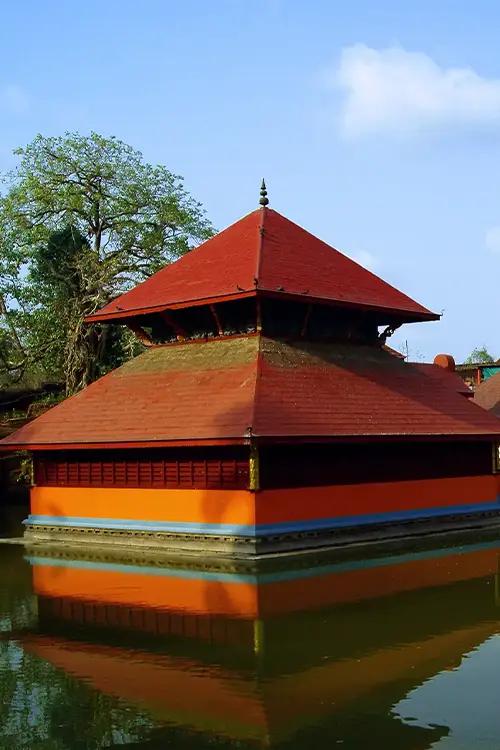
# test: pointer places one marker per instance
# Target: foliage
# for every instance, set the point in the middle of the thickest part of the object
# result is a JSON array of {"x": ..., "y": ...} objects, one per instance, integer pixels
[
  {"x": 479, "y": 355},
  {"x": 81, "y": 221}
]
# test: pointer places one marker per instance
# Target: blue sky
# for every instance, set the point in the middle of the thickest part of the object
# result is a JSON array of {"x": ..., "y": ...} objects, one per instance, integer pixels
[{"x": 376, "y": 125}]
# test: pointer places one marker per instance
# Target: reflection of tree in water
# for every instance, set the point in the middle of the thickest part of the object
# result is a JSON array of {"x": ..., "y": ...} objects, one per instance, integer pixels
[{"x": 42, "y": 708}]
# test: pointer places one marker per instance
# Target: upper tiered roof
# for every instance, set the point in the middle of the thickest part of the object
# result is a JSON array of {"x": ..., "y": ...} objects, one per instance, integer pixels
[{"x": 263, "y": 254}]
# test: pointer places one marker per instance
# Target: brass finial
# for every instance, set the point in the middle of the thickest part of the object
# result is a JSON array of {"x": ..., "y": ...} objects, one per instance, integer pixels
[{"x": 264, "y": 200}]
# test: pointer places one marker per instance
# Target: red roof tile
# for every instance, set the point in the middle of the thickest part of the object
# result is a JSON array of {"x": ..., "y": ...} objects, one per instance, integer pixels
[
  {"x": 267, "y": 253},
  {"x": 318, "y": 389},
  {"x": 451, "y": 378},
  {"x": 216, "y": 391}
]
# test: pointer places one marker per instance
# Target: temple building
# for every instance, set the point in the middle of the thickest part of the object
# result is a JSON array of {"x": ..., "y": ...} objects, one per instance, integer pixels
[{"x": 266, "y": 412}]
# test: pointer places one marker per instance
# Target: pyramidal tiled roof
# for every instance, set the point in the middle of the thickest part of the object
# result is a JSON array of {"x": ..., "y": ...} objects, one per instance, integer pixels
[
  {"x": 263, "y": 253},
  {"x": 224, "y": 390}
]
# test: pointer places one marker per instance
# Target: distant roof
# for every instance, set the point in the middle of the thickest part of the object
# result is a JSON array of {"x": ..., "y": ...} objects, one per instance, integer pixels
[
  {"x": 487, "y": 394},
  {"x": 474, "y": 365},
  {"x": 263, "y": 253},
  {"x": 226, "y": 390},
  {"x": 392, "y": 351}
]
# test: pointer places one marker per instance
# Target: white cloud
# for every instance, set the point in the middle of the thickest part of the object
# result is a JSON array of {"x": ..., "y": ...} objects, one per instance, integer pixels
[
  {"x": 392, "y": 90},
  {"x": 364, "y": 258},
  {"x": 13, "y": 99},
  {"x": 492, "y": 240}
]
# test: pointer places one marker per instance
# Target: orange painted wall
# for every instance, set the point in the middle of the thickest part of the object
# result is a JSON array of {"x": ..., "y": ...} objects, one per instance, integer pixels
[
  {"x": 194, "y": 595},
  {"x": 185, "y": 506},
  {"x": 245, "y": 508},
  {"x": 274, "y": 506},
  {"x": 245, "y": 599}
]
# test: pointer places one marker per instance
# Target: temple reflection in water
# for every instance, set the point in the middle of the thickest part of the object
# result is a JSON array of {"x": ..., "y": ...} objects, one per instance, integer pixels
[{"x": 302, "y": 651}]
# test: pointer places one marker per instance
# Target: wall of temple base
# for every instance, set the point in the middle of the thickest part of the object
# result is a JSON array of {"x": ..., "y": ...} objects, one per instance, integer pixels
[{"x": 243, "y": 522}]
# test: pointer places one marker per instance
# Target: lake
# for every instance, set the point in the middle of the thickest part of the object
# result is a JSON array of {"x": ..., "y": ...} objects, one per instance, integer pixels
[{"x": 388, "y": 647}]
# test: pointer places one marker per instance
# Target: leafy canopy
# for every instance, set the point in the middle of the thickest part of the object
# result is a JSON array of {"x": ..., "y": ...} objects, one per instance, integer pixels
[
  {"x": 479, "y": 355},
  {"x": 82, "y": 219}
]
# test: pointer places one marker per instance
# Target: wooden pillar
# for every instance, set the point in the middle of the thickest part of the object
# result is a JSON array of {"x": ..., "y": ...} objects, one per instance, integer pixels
[
  {"x": 306, "y": 321},
  {"x": 172, "y": 323},
  {"x": 258, "y": 310},
  {"x": 216, "y": 317}
]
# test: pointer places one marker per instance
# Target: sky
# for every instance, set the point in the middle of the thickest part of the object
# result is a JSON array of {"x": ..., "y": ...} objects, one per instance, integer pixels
[{"x": 376, "y": 125}]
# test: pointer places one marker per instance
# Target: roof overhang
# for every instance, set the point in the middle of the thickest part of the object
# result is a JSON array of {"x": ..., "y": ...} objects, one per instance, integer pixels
[
  {"x": 404, "y": 315},
  {"x": 245, "y": 440}
]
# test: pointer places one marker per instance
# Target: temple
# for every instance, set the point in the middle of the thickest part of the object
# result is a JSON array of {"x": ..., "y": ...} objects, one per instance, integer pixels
[{"x": 266, "y": 412}]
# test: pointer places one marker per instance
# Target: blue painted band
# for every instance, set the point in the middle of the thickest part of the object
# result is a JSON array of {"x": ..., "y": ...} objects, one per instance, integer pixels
[{"x": 318, "y": 524}]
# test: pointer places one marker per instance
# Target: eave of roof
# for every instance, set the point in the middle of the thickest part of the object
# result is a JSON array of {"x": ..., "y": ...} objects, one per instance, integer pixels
[{"x": 406, "y": 317}]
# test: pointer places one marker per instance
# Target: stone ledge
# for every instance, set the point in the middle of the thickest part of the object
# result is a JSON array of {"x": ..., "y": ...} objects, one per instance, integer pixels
[{"x": 248, "y": 547}]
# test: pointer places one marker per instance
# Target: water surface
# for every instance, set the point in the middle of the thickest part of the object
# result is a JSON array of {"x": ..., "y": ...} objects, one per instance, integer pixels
[{"x": 391, "y": 648}]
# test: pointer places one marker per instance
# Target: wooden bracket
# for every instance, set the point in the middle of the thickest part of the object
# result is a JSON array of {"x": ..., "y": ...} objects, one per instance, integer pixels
[
  {"x": 141, "y": 334},
  {"x": 387, "y": 332}
]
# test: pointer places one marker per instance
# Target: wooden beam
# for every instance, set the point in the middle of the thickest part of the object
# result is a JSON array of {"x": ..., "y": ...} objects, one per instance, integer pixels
[
  {"x": 169, "y": 320},
  {"x": 141, "y": 334},
  {"x": 215, "y": 315}
]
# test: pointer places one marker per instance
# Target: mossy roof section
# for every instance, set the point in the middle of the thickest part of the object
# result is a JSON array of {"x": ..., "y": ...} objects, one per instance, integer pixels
[
  {"x": 266, "y": 253},
  {"x": 189, "y": 392},
  {"x": 227, "y": 390}
]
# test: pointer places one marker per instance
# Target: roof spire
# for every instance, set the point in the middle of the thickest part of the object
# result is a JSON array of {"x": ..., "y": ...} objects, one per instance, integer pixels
[{"x": 264, "y": 200}]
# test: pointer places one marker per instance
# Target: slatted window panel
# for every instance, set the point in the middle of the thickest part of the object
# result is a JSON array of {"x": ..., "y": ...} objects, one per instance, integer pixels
[
  {"x": 214, "y": 629},
  {"x": 166, "y": 473}
]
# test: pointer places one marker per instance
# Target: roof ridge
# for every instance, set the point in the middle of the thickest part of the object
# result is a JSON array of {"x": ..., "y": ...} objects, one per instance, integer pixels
[
  {"x": 260, "y": 245},
  {"x": 258, "y": 372}
]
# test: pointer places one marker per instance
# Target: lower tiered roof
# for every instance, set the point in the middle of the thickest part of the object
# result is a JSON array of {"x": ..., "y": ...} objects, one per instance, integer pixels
[{"x": 228, "y": 390}]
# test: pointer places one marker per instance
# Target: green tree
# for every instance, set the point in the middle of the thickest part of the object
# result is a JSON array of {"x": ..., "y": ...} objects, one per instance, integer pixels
[
  {"x": 82, "y": 220},
  {"x": 479, "y": 355}
]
